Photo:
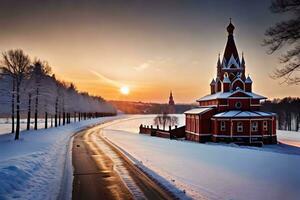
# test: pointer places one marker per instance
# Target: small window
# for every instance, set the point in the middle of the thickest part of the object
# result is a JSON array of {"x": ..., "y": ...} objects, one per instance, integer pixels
[
  {"x": 239, "y": 127},
  {"x": 254, "y": 126},
  {"x": 265, "y": 125},
  {"x": 223, "y": 126},
  {"x": 238, "y": 105}
]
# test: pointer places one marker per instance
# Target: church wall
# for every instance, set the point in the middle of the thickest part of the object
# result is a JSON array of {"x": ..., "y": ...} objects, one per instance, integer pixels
[{"x": 245, "y": 104}]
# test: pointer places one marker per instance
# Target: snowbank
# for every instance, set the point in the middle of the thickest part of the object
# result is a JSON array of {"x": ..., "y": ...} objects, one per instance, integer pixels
[
  {"x": 214, "y": 171},
  {"x": 33, "y": 167}
]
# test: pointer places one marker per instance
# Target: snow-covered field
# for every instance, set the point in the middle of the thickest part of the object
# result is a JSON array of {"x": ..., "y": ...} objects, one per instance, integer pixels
[
  {"x": 33, "y": 167},
  {"x": 213, "y": 171}
]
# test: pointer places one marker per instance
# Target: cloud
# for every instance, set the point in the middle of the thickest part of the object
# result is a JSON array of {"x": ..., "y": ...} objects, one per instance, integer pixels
[
  {"x": 155, "y": 64},
  {"x": 144, "y": 66},
  {"x": 106, "y": 79}
]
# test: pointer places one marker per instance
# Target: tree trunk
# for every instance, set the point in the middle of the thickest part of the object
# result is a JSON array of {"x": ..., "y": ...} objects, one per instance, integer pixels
[
  {"x": 59, "y": 119},
  {"x": 297, "y": 121},
  {"x": 74, "y": 116},
  {"x": 18, "y": 113},
  {"x": 51, "y": 121},
  {"x": 36, "y": 108},
  {"x": 56, "y": 108},
  {"x": 64, "y": 118},
  {"x": 29, "y": 111},
  {"x": 13, "y": 108},
  {"x": 46, "y": 120}
]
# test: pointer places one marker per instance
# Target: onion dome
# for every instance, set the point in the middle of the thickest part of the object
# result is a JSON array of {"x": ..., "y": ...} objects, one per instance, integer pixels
[{"x": 230, "y": 28}]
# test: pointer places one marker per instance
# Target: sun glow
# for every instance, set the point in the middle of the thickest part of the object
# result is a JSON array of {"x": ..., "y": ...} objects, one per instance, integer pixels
[{"x": 125, "y": 90}]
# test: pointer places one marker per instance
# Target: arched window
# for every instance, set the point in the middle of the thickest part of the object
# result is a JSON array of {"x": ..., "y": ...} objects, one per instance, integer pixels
[
  {"x": 265, "y": 125},
  {"x": 219, "y": 86},
  {"x": 238, "y": 84},
  {"x": 254, "y": 126},
  {"x": 239, "y": 127},
  {"x": 223, "y": 126}
]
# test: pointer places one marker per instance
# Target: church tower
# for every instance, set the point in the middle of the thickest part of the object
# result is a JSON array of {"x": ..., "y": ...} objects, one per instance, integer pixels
[
  {"x": 171, "y": 105},
  {"x": 231, "y": 71}
]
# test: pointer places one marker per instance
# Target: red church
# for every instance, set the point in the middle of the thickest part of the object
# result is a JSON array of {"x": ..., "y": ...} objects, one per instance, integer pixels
[{"x": 231, "y": 112}]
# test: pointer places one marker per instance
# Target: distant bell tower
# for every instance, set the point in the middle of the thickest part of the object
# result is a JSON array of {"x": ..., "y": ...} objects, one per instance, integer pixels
[{"x": 171, "y": 106}]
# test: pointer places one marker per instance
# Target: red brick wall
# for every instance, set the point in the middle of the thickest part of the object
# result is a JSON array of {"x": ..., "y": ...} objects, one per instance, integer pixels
[{"x": 245, "y": 104}]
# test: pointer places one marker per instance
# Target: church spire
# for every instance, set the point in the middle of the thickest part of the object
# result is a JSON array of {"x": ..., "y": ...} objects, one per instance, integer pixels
[
  {"x": 219, "y": 67},
  {"x": 243, "y": 60},
  {"x": 230, "y": 49},
  {"x": 171, "y": 100}
]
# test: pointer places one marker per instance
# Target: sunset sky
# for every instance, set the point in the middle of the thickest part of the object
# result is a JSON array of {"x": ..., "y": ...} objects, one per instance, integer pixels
[{"x": 151, "y": 47}]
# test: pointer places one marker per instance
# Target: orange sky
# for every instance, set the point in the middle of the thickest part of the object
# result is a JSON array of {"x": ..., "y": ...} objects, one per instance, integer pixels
[{"x": 151, "y": 48}]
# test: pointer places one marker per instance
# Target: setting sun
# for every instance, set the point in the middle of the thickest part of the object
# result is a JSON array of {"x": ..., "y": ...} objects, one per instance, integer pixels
[{"x": 124, "y": 90}]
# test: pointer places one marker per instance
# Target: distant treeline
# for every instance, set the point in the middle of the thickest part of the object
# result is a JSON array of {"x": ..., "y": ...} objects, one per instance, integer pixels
[
  {"x": 131, "y": 107},
  {"x": 287, "y": 110},
  {"x": 29, "y": 89}
]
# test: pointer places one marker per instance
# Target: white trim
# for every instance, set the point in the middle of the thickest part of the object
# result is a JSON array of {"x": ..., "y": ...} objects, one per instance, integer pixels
[
  {"x": 199, "y": 134},
  {"x": 239, "y": 97},
  {"x": 252, "y": 118},
  {"x": 220, "y": 119},
  {"x": 192, "y": 133},
  {"x": 234, "y": 136}
]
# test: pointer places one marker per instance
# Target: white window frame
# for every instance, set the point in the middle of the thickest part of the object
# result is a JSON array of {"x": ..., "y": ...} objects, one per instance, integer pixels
[
  {"x": 239, "y": 127},
  {"x": 254, "y": 126},
  {"x": 265, "y": 125},
  {"x": 223, "y": 126}
]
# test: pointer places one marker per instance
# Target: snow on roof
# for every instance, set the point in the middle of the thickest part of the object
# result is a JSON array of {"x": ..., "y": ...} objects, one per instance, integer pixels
[
  {"x": 248, "y": 80},
  {"x": 238, "y": 113},
  {"x": 226, "y": 80},
  {"x": 198, "y": 110},
  {"x": 225, "y": 95}
]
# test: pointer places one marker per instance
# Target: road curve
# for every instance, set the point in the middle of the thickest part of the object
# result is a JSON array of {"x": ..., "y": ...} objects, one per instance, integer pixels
[{"x": 102, "y": 172}]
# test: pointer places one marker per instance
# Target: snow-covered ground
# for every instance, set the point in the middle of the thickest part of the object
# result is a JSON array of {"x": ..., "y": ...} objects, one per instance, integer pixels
[
  {"x": 5, "y": 124},
  {"x": 213, "y": 171},
  {"x": 33, "y": 167}
]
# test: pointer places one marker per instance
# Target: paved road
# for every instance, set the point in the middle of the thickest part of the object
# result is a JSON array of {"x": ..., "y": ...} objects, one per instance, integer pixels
[{"x": 102, "y": 172}]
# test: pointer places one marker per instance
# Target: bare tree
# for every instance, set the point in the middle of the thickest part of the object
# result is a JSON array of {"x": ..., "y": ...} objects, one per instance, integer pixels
[
  {"x": 40, "y": 69},
  {"x": 16, "y": 64},
  {"x": 165, "y": 119},
  {"x": 286, "y": 33}
]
